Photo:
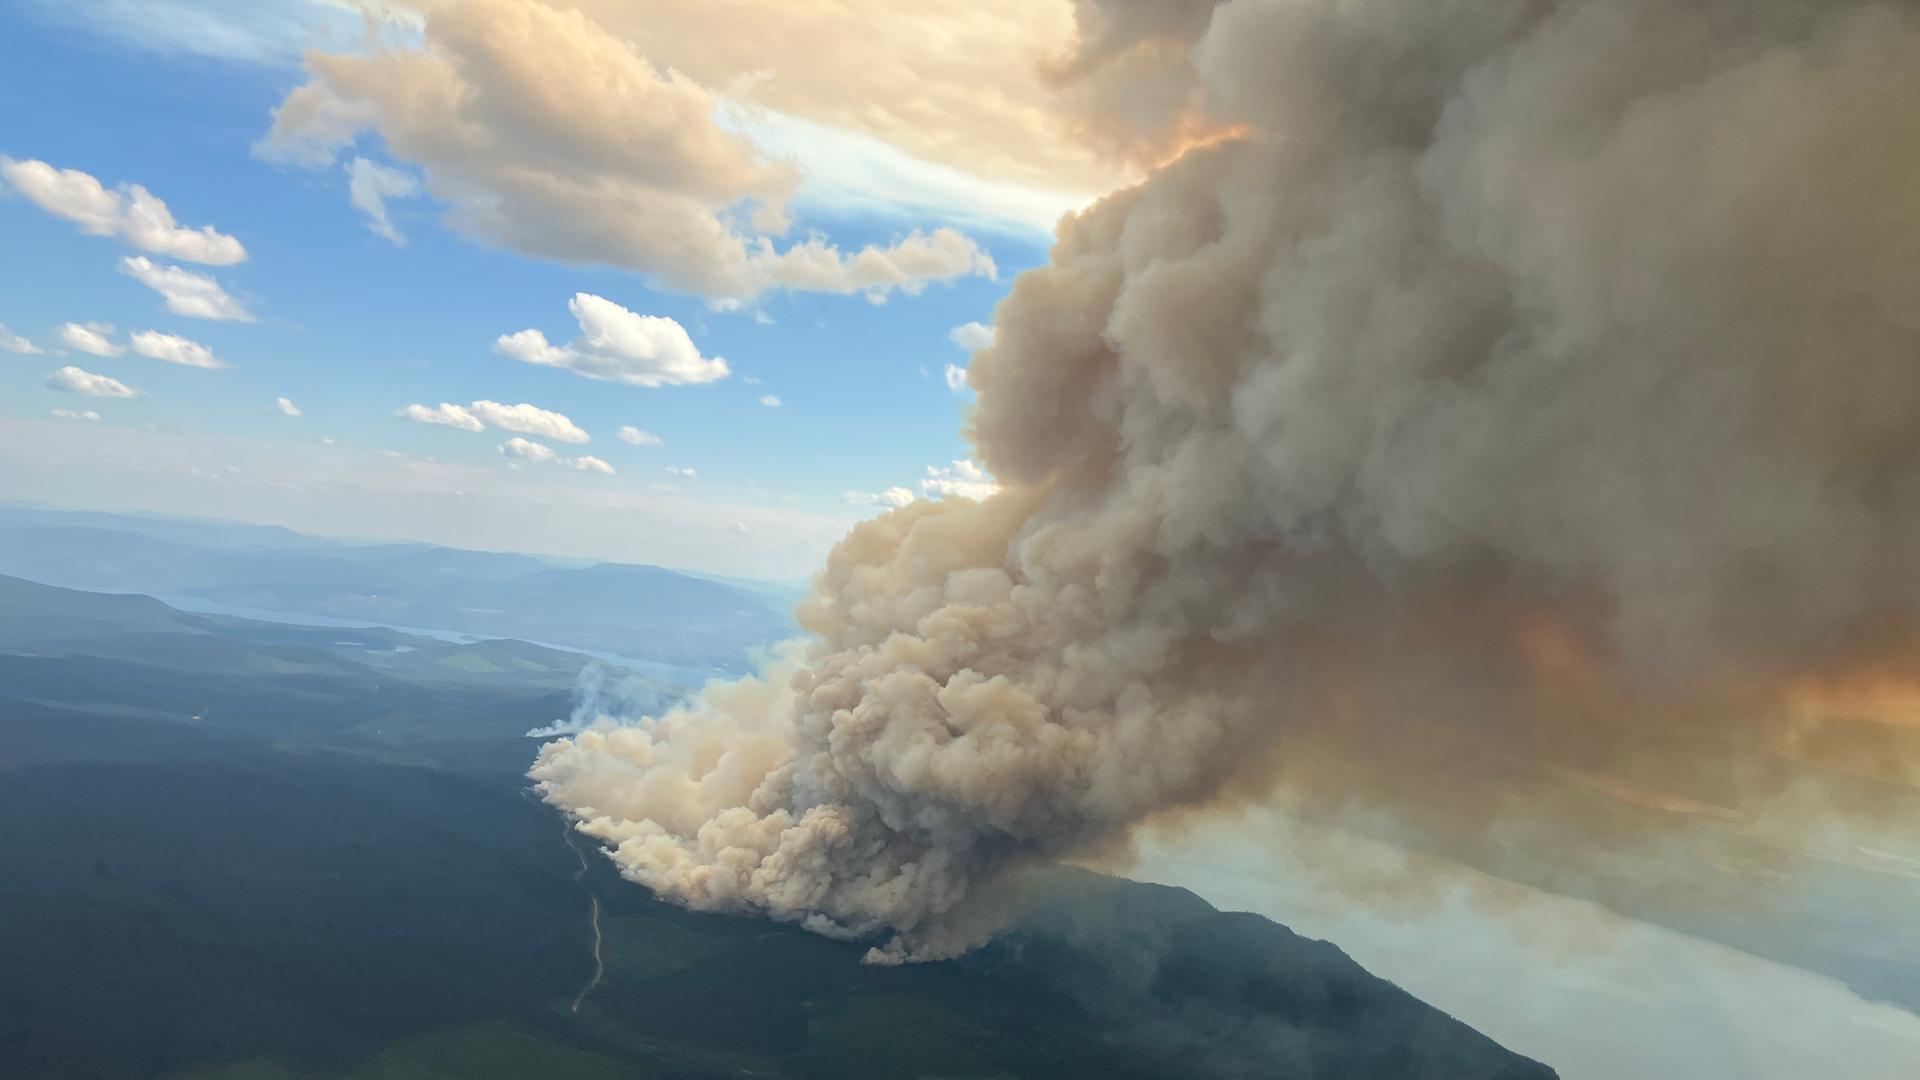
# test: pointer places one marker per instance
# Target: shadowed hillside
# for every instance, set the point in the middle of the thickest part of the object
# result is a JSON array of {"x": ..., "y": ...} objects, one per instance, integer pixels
[{"x": 244, "y": 850}]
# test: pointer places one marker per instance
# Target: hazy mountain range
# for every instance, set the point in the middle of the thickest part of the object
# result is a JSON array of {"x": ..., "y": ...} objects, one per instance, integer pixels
[{"x": 640, "y": 612}]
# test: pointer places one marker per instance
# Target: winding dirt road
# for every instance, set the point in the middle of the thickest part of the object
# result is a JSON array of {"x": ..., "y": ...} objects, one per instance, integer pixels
[{"x": 599, "y": 966}]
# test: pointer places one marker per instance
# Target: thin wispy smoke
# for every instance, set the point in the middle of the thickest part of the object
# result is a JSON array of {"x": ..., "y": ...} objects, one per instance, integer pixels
[
  {"x": 1522, "y": 398},
  {"x": 604, "y": 700}
]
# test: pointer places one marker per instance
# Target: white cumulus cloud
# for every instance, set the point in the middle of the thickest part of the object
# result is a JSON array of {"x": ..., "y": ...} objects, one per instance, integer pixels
[
  {"x": 639, "y": 436},
  {"x": 526, "y": 451},
  {"x": 683, "y": 473},
  {"x": 529, "y": 420},
  {"x": 956, "y": 378},
  {"x": 445, "y": 414},
  {"x": 77, "y": 414},
  {"x": 770, "y": 401},
  {"x": 287, "y": 407},
  {"x": 958, "y": 479},
  {"x": 518, "y": 449},
  {"x": 187, "y": 292},
  {"x": 963, "y": 479},
  {"x": 618, "y": 345},
  {"x": 90, "y": 338},
  {"x": 129, "y": 213},
  {"x": 972, "y": 336},
  {"x": 174, "y": 349},
  {"x": 549, "y": 134},
  {"x": 73, "y": 380},
  {"x": 523, "y": 419},
  {"x": 908, "y": 264}
]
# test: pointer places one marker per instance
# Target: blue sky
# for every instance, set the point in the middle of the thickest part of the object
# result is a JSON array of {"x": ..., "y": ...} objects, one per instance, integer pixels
[{"x": 351, "y": 327}]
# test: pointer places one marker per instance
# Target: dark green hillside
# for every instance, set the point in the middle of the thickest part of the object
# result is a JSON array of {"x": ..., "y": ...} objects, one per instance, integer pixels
[
  {"x": 217, "y": 910},
  {"x": 244, "y": 851},
  {"x": 221, "y": 901}
]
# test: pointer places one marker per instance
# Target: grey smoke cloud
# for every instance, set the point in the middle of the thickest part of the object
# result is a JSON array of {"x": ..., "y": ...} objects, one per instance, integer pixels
[
  {"x": 1129, "y": 87},
  {"x": 1528, "y": 393}
]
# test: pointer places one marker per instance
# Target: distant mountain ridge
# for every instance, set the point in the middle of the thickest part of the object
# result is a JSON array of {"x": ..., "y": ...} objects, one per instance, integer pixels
[
  {"x": 50, "y": 621},
  {"x": 643, "y": 612},
  {"x": 368, "y": 690}
]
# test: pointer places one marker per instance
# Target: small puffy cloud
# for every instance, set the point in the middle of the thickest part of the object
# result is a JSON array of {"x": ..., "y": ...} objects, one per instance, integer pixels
[
  {"x": 548, "y": 134},
  {"x": 684, "y": 474},
  {"x": 523, "y": 418},
  {"x": 518, "y": 449},
  {"x": 173, "y": 349},
  {"x": 529, "y": 420},
  {"x": 526, "y": 451},
  {"x": 77, "y": 414},
  {"x": 960, "y": 479},
  {"x": 369, "y": 186},
  {"x": 963, "y": 479},
  {"x": 972, "y": 336},
  {"x": 739, "y": 528},
  {"x": 287, "y": 407},
  {"x": 769, "y": 401},
  {"x": 893, "y": 496},
  {"x": 619, "y": 346},
  {"x": 195, "y": 295},
  {"x": 446, "y": 415},
  {"x": 73, "y": 380},
  {"x": 14, "y": 343},
  {"x": 90, "y": 338},
  {"x": 130, "y": 213},
  {"x": 908, "y": 264},
  {"x": 639, "y": 437}
]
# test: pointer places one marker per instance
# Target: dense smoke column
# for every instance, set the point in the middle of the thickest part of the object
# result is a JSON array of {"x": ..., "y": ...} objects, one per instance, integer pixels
[{"x": 1525, "y": 392}]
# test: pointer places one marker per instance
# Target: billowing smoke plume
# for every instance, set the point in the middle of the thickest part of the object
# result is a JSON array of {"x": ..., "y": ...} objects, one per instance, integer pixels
[{"x": 1529, "y": 392}]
